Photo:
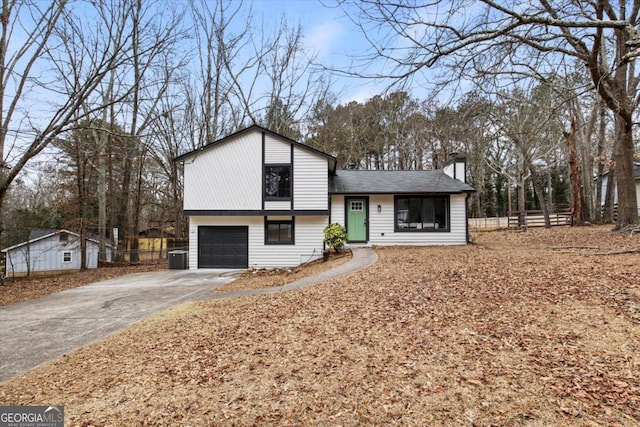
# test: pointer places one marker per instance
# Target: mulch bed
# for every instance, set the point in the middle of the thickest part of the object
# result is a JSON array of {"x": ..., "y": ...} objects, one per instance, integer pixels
[
  {"x": 532, "y": 328},
  {"x": 272, "y": 277}
]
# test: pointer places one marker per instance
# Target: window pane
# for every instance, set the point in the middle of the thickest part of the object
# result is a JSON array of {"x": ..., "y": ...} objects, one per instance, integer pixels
[
  {"x": 285, "y": 180},
  {"x": 415, "y": 213},
  {"x": 427, "y": 213},
  {"x": 440, "y": 212},
  {"x": 278, "y": 181},
  {"x": 273, "y": 232},
  {"x": 285, "y": 232},
  {"x": 402, "y": 213}
]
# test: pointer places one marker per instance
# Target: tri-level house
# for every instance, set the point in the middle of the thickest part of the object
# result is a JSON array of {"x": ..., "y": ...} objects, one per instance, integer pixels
[{"x": 258, "y": 199}]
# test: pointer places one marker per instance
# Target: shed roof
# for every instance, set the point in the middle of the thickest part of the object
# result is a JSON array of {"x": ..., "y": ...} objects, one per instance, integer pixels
[
  {"x": 395, "y": 182},
  {"x": 37, "y": 235}
]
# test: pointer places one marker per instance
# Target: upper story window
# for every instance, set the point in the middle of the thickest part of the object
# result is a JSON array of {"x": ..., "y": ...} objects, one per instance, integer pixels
[{"x": 277, "y": 182}]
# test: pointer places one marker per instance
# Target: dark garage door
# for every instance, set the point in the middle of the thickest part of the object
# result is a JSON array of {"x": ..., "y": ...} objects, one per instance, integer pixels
[{"x": 223, "y": 247}]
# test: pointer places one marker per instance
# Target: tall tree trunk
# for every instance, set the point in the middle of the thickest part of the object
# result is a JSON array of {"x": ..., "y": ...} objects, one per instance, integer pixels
[
  {"x": 522, "y": 200},
  {"x": 600, "y": 156},
  {"x": 102, "y": 193},
  {"x": 103, "y": 139},
  {"x": 549, "y": 182},
  {"x": 586, "y": 168},
  {"x": 82, "y": 200},
  {"x": 509, "y": 201},
  {"x": 574, "y": 176},
  {"x": 609, "y": 196},
  {"x": 132, "y": 139},
  {"x": 538, "y": 189},
  {"x": 135, "y": 221},
  {"x": 623, "y": 157}
]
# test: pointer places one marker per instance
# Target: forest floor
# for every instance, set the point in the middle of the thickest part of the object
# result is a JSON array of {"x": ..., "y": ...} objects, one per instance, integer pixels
[{"x": 521, "y": 328}]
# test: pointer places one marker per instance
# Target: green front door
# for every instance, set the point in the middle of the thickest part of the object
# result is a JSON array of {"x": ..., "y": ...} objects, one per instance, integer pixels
[{"x": 357, "y": 220}]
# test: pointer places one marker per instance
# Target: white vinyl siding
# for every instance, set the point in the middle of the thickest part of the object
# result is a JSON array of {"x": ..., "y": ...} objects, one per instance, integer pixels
[
  {"x": 272, "y": 205},
  {"x": 276, "y": 151},
  {"x": 225, "y": 177},
  {"x": 381, "y": 224},
  {"x": 615, "y": 192},
  {"x": 49, "y": 255},
  {"x": 310, "y": 181},
  {"x": 460, "y": 171},
  {"x": 308, "y": 240},
  {"x": 308, "y": 245},
  {"x": 337, "y": 209}
]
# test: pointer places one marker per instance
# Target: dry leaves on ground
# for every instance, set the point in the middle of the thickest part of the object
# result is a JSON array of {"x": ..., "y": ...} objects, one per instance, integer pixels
[
  {"x": 26, "y": 288},
  {"x": 514, "y": 330},
  {"x": 268, "y": 278}
]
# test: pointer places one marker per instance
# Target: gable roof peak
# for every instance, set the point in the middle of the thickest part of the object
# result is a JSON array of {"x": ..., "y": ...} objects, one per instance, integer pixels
[{"x": 256, "y": 127}]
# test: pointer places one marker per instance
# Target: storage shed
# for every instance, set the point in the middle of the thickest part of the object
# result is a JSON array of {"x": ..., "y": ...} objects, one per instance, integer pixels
[{"x": 50, "y": 251}]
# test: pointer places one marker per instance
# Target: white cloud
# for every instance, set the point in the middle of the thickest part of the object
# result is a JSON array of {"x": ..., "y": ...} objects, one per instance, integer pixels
[
  {"x": 322, "y": 38},
  {"x": 362, "y": 95}
]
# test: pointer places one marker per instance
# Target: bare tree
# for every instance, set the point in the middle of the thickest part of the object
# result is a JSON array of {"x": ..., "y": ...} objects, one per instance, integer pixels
[
  {"x": 152, "y": 69},
  {"x": 62, "y": 61},
  {"x": 486, "y": 39},
  {"x": 128, "y": 95},
  {"x": 21, "y": 138},
  {"x": 218, "y": 52},
  {"x": 527, "y": 120}
]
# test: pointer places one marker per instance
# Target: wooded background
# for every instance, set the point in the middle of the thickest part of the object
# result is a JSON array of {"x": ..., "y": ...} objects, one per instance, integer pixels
[{"x": 99, "y": 97}]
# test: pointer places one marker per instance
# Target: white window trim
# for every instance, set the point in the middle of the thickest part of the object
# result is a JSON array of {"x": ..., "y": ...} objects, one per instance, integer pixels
[{"x": 70, "y": 257}]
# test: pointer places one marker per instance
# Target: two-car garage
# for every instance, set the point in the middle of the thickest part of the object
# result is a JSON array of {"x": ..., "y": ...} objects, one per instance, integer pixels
[{"x": 223, "y": 247}]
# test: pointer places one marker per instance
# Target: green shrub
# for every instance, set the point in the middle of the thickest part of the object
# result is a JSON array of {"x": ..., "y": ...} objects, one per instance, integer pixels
[{"x": 335, "y": 236}]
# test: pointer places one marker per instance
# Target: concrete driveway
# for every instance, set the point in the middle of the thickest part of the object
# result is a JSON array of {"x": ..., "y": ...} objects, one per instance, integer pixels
[{"x": 37, "y": 331}]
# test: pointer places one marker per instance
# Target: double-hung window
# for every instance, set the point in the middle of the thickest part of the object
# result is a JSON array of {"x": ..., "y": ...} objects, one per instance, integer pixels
[
  {"x": 422, "y": 213},
  {"x": 277, "y": 182}
]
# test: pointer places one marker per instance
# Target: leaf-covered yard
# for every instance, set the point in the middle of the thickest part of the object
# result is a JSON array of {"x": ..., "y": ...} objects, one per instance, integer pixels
[{"x": 532, "y": 328}]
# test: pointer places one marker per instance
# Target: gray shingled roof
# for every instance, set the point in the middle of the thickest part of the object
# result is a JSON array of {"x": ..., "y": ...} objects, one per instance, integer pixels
[
  {"x": 36, "y": 234},
  {"x": 393, "y": 182}
]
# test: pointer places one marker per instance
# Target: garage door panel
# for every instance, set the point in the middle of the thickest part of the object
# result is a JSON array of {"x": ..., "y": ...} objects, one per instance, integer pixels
[{"x": 223, "y": 247}]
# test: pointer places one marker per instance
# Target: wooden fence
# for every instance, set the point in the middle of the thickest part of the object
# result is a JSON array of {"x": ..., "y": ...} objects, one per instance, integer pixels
[
  {"x": 526, "y": 219},
  {"x": 519, "y": 220},
  {"x": 493, "y": 223},
  {"x": 148, "y": 248}
]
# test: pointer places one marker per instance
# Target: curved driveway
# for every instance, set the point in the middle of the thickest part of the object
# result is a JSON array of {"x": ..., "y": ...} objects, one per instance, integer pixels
[{"x": 41, "y": 330}]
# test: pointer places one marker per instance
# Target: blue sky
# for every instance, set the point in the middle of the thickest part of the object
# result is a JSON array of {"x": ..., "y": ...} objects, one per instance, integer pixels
[{"x": 330, "y": 34}]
